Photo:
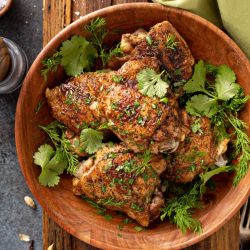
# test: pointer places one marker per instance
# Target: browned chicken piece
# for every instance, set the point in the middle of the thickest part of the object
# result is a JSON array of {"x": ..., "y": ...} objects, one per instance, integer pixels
[
  {"x": 71, "y": 101},
  {"x": 123, "y": 181},
  {"x": 170, "y": 48},
  {"x": 128, "y": 43},
  {"x": 198, "y": 151},
  {"x": 140, "y": 121},
  {"x": 164, "y": 42}
]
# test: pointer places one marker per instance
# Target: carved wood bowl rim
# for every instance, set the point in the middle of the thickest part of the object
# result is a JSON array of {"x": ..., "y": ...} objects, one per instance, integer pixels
[
  {"x": 100, "y": 235},
  {"x": 5, "y": 8}
]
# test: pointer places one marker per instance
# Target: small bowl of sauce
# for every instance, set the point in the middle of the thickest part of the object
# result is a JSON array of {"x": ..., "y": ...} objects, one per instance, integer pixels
[{"x": 13, "y": 66}]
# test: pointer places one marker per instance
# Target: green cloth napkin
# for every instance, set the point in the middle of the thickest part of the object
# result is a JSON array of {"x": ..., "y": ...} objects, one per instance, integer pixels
[{"x": 233, "y": 15}]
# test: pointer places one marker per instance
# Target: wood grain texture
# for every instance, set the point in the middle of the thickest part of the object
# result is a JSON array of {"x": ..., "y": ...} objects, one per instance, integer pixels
[
  {"x": 227, "y": 238},
  {"x": 73, "y": 214}
]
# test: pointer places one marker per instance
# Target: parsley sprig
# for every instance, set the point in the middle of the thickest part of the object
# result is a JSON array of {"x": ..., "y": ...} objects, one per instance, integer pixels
[{"x": 221, "y": 100}]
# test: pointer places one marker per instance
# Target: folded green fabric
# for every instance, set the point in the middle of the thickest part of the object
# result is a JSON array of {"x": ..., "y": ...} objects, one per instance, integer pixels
[{"x": 233, "y": 15}]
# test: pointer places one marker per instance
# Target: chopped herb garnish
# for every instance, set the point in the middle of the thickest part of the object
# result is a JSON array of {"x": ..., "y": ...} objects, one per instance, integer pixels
[
  {"x": 170, "y": 42},
  {"x": 154, "y": 106},
  {"x": 139, "y": 229},
  {"x": 108, "y": 217},
  {"x": 117, "y": 78},
  {"x": 140, "y": 120},
  {"x": 69, "y": 100},
  {"x": 88, "y": 100},
  {"x": 164, "y": 100},
  {"x": 114, "y": 105},
  {"x": 196, "y": 126},
  {"x": 149, "y": 40}
]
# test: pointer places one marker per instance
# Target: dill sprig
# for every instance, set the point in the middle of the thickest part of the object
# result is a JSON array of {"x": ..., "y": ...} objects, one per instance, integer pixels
[
  {"x": 179, "y": 210},
  {"x": 187, "y": 197},
  {"x": 97, "y": 29},
  {"x": 55, "y": 131},
  {"x": 241, "y": 145},
  {"x": 51, "y": 64}
]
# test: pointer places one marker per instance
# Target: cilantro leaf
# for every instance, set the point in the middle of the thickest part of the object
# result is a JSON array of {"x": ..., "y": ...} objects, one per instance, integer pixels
[
  {"x": 77, "y": 55},
  {"x": 52, "y": 164},
  {"x": 57, "y": 163},
  {"x": 43, "y": 155},
  {"x": 151, "y": 84},
  {"x": 225, "y": 85},
  {"x": 91, "y": 139},
  {"x": 202, "y": 105},
  {"x": 197, "y": 82},
  {"x": 49, "y": 178}
]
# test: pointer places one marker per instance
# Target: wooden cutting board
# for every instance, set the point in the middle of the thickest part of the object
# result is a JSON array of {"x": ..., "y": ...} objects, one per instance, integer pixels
[{"x": 57, "y": 14}]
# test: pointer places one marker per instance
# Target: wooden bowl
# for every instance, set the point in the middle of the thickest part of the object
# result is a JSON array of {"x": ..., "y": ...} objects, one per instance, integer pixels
[
  {"x": 5, "y": 8},
  {"x": 73, "y": 214}
]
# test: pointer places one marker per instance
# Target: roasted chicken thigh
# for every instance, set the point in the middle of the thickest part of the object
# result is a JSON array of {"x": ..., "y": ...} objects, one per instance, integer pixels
[{"x": 123, "y": 181}]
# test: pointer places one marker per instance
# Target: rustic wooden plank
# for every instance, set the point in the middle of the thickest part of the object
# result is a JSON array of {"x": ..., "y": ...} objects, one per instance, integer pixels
[
  {"x": 56, "y": 15},
  {"x": 53, "y": 234},
  {"x": 81, "y": 8},
  {"x": 127, "y": 1},
  {"x": 228, "y": 237}
]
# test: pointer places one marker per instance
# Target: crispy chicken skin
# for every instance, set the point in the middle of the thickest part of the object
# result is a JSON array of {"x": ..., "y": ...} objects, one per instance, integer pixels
[
  {"x": 138, "y": 120},
  {"x": 177, "y": 61},
  {"x": 111, "y": 180},
  {"x": 197, "y": 151},
  {"x": 71, "y": 101}
]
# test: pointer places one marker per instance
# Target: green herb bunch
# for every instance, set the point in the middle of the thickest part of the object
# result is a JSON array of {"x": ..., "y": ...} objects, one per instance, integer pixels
[{"x": 215, "y": 94}]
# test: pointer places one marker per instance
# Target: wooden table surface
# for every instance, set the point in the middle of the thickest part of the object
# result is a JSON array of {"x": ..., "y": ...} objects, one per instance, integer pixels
[{"x": 57, "y": 14}]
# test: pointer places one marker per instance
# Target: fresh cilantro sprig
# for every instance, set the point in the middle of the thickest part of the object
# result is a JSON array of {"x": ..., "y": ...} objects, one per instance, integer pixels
[
  {"x": 78, "y": 54},
  {"x": 179, "y": 209},
  {"x": 151, "y": 84},
  {"x": 52, "y": 164},
  {"x": 220, "y": 100},
  {"x": 75, "y": 55}
]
